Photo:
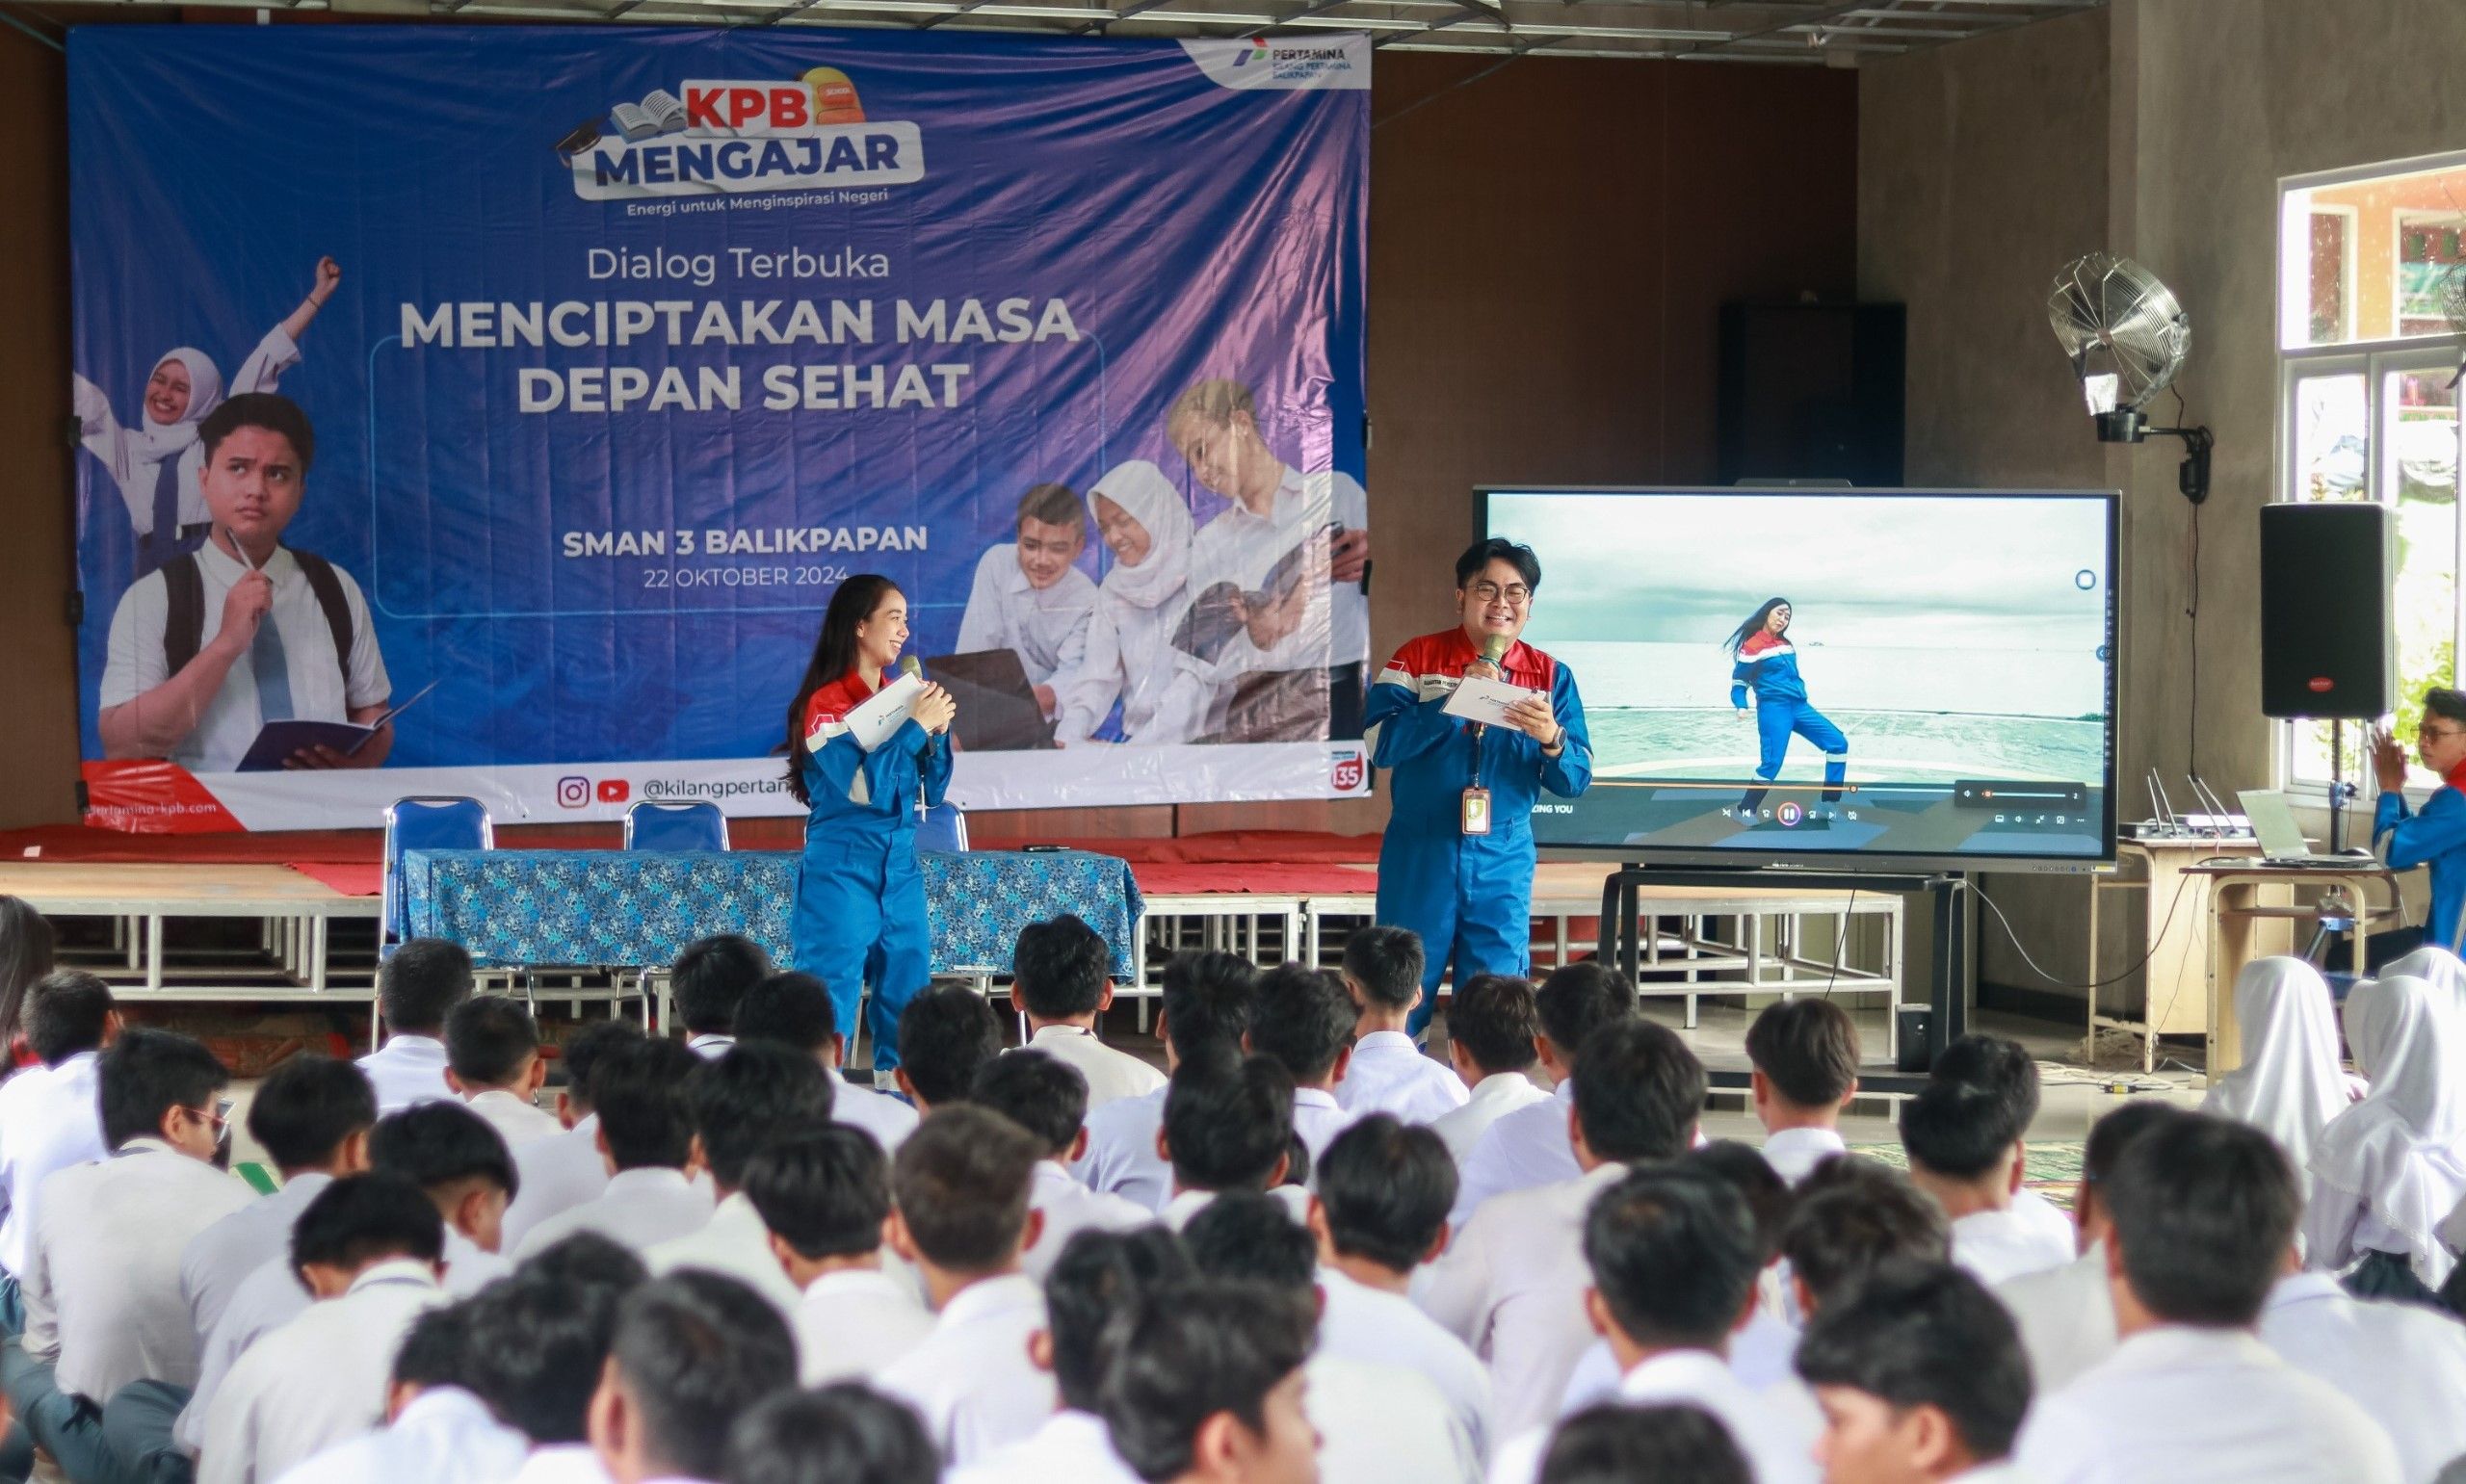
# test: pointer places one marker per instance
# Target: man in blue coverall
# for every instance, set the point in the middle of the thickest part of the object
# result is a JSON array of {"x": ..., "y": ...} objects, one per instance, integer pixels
[
  {"x": 1457, "y": 864},
  {"x": 2437, "y": 835}
]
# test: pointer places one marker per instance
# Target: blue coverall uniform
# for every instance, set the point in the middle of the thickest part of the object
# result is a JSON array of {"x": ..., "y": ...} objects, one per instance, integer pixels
[
  {"x": 1782, "y": 709},
  {"x": 860, "y": 898},
  {"x": 2435, "y": 837},
  {"x": 1469, "y": 897}
]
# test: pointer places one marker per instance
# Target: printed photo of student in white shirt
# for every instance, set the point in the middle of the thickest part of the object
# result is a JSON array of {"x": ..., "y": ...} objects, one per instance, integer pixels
[
  {"x": 1031, "y": 598},
  {"x": 244, "y": 629}
]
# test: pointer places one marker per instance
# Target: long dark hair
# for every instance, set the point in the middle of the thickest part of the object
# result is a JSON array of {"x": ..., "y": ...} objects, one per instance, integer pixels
[
  {"x": 1753, "y": 626},
  {"x": 25, "y": 957},
  {"x": 834, "y": 654}
]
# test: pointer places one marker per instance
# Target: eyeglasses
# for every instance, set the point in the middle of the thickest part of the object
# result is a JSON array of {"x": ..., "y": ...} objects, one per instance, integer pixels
[
  {"x": 219, "y": 1120},
  {"x": 1516, "y": 594},
  {"x": 2428, "y": 730}
]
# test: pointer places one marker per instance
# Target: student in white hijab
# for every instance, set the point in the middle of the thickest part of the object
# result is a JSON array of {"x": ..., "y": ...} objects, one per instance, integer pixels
[
  {"x": 1131, "y": 656},
  {"x": 2386, "y": 1171},
  {"x": 2290, "y": 1084},
  {"x": 2436, "y": 965},
  {"x": 155, "y": 463}
]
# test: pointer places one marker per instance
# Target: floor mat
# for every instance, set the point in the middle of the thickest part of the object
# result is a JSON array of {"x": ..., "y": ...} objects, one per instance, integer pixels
[{"x": 2055, "y": 1169}]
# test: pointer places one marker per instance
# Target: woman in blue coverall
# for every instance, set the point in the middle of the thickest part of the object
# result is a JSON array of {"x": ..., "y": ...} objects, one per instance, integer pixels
[
  {"x": 2435, "y": 835},
  {"x": 1766, "y": 664},
  {"x": 860, "y": 899}
]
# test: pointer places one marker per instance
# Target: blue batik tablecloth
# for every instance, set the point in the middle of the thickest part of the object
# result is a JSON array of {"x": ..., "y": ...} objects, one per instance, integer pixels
[{"x": 512, "y": 908}]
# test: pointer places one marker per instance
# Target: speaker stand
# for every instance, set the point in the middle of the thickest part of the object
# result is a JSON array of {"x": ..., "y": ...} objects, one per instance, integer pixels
[{"x": 2340, "y": 789}]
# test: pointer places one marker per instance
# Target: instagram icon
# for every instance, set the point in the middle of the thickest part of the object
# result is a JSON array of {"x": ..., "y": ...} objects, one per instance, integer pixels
[{"x": 573, "y": 792}]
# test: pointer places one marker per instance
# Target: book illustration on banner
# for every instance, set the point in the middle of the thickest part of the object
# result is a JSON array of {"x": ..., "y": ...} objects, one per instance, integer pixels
[
  {"x": 661, "y": 112},
  {"x": 277, "y": 741},
  {"x": 997, "y": 706},
  {"x": 1221, "y": 610}
]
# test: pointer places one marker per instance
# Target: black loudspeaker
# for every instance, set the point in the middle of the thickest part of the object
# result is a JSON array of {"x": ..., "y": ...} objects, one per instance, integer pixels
[
  {"x": 1810, "y": 392},
  {"x": 2329, "y": 571}
]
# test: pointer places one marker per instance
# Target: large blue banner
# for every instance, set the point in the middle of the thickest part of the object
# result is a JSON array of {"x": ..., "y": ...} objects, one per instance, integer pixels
[{"x": 545, "y": 384}]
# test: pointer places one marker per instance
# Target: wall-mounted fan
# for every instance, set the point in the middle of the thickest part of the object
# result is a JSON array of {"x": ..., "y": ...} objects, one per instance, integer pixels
[{"x": 2127, "y": 336}]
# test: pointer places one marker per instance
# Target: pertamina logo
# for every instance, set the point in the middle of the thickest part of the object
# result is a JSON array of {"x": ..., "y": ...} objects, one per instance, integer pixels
[
  {"x": 728, "y": 137},
  {"x": 1348, "y": 772}
]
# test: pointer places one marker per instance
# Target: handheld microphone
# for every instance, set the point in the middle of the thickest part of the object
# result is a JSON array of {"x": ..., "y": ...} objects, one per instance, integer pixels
[
  {"x": 910, "y": 667},
  {"x": 1494, "y": 649}
]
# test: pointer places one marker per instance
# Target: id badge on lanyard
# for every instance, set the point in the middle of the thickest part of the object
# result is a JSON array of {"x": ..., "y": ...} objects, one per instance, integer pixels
[{"x": 1474, "y": 818}]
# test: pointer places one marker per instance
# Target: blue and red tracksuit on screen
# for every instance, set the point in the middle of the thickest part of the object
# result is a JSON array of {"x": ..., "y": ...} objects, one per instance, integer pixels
[
  {"x": 1469, "y": 897},
  {"x": 1769, "y": 664},
  {"x": 860, "y": 899},
  {"x": 2434, "y": 836}
]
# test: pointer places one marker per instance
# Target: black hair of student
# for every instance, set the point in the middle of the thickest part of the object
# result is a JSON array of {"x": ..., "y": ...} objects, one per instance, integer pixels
[
  {"x": 26, "y": 955},
  {"x": 1926, "y": 1335},
  {"x": 1386, "y": 962},
  {"x": 1098, "y": 1275},
  {"x": 1754, "y": 624},
  {"x": 846, "y": 1433},
  {"x": 1959, "y": 1130},
  {"x": 2110, "y": 1135},
  {"x": 961, "y": 1182},
  {"x": 1387, "y": 1187},
  {"x": 145, "y": 1074},
  {"x": 1206, "y": 1001},
  {"x": 1765, "y": 1193},
  {"x": 640, "y": 1093},
  {"x": 2203, "y": 1211},
  {"x": 1051, "y": 505},
  {"x": 792, "y": 1009},
  {"x": 1251, "y": 1236},
  {"x": 752, "y": 1094},
  {"x": 308, "y": 1107},
  {"x": 826, "y": 1191},
  {"x": 1480, "y": 553},
  {"x": 946, "y": 1035},
  {"x": 711, "y": 978},
  {"x": 1579, "y": 999},
  {"x": 1997, "y": 1063},
  {"x": 437, "y": 1349},
  {"x": 1608, "y": 1443},
  {"x": 487, "y": 1038},
  {"x": 1191, "y": 1352},
  {"x": 1059, "y": 967},
  {"x": 270, "y": 411},
  {"x": 361, "y": 1219},
  {"x": 1639, "y": 1091},
  {"x": 420, "y": 984},
  {"x": 1672, "y": 1252},
  {"x": 1041, "y": 1093},
  {"x": 1493, "y": 1017},
  {"x": 834, "y": 655},
  {"x": 1808, "y": 1050},
  {"x": 694, "y": 1351},
  {"x": 1303, "y": 1018},
  {"x": 1839, "y": 1235},
  {"x": 2443, "y": 702},
  {"x": 67, "y": 1012},
  {"x": 539, "y": 1342},
  {"x": 1845, "y": 1171},
  {"x": 1227, "y": 1121},
  {"x": 581, "y": 1053},
  {"x": 441, "y": 1143},
  {"x": 590, "y": 1258},
  {"x": 1297, "y": 1164}
]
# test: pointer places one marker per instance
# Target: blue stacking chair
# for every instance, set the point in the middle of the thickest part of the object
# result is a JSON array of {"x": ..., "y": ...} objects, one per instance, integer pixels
[
  {"x": 424, "y": 824},
  {"x": 943, "y": 829},
  {"x": 656, "y": 825}
]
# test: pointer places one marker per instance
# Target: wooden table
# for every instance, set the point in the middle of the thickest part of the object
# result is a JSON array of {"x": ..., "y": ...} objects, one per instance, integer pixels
[
  {"x": 2254, "y": 913},
  {"x": 2173, "y": 945},
  {"x": 296, "y": 909}
]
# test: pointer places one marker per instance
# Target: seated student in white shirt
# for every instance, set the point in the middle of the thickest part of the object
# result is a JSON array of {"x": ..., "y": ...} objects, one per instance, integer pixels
[
  {"x": 1965, "y": 1152},
  {"x": 1850, "y": 1218},
  {"x": 539, "y": 1339},
  {"x": 48, "y": 1117},
  {"x": 710, "y": 980},
  {"x": 1805, "y": 1059},
  {"x": 1206, "y": 1386},
  {"x": 823, "y": 1197},
  {"x": 1510, "y": 1283},
  {"x": 960, "y": 1214},
  {"x": 1760, "y": 1350},
  {"x": 1204, "y": 1008},
  {"x": 1614, "y": 1444},
  {"x": 1063, "y": 985},
  {"x": 1528, "y": 1147},
  {"x": 243, "y": 630},
  {"x": 1922, "y": 1379},
  {"x": 647, "y": 1136},
  {"x": 2204, "y": 1213},
  {"x": 946, "y": 1034},
  {"x": 370, "y": 1248},
  {"x": 794, "y": 1010},
  {"x": 436, "y": 1430},
  {"x": 492, "y": 1062},
  {"x": 691, "y": 1354},
  {"x": 1047, "y": 1097},
  {"x": 1229, "y": 1126},
  {"x": 462, "y": 1161},
  {"x": 1492, "y": 1032},
  {"x": 1388, "y": 1074},
  {"x": 102, "y": 1278},
  {"x": 2403, "y": 1364},
  {"x": 1029, "y": 596},
  {"x": 416, "y": 989},
  {"x": 2005, "y": 1067},
  {"x": 755, "y": 1093},
  {"x": 844, "y": 1434},
  {"x": 563, "y": 1170},
  {"x": 1303, "y": 1018}
]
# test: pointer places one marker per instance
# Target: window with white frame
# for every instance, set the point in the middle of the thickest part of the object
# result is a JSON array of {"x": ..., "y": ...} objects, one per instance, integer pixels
[{"x": 2370, "y": 262}]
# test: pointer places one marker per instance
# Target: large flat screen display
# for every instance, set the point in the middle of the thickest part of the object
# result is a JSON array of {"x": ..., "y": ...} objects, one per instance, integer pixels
[{"x": 1923, "y": 678}]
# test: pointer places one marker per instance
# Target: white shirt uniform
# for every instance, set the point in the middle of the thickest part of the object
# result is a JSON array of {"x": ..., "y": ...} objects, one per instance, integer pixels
[
  {"x": 557, "y": 1174},
  {"x": 1775, "y": 1438},
  {"x": 1045, "y": 627},
  {"x": 2403, "y": 1364},
  {"x": 710, "y": 1045},
  {"x": 1357, "y": 1322},
  {"x": 316, "y": 1381},
  {"x": 1121, "y": 1158},
  {"x": 971, "y": 1379},
  {"x": 641, "y": 1209},
  {"x": 1389, "y": 1075},
  {"x": 1186, "y": 1205},
  {"x": 733, "y": 1242},
  {"x": 2177, "y": 1405},
  {"x": 137, "y": 664},
  {"x": 1111, "y": 1073},
  {"x": 518, "y": 1120},
  {"x": 2048, "y": 1220},
  {"x": 1240, "y": 548},
  {"x": 266, "y": 1300},
  {"x": 1511, "y": 1286},
  {"x": 1521, "y": 1150},
  {"x": 223, "y": 1257},
  {"x": 1794, "y": 1153},
  {"x": 1998, "y": 1246},
  {"x": 1318, "y": 1118},
  {"x": 102, "y": 1281},
  {"x": 1382, "y": 1425},
  {"x": 2066, "y": 1316},
  {"x": 133, "y": 455},
  {"x": 49, "y": 1122},
  {"x": 1498, "y": 1095},
  {"x": 1070, "y": 1208},
  {"x": 884, "y": 1117},
  {"x": 1072, "y": 1448},
  {"x": 1761, "y": 1355},
  {"x": 855, "y": 1323},
  {"x": 563, "y": 1463},
  {"x": 469, "y": 1266},
  {"x": 406, "y": 1070},
  {"x": 444, "y": 1436}
]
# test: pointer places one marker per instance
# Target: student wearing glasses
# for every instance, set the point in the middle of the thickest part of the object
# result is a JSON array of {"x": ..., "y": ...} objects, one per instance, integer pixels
[
  {"x": 2434, "y": 836},
  {"x": 1457, "y": 864}
]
